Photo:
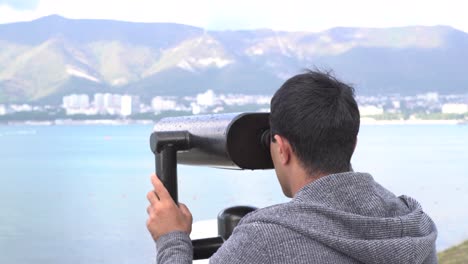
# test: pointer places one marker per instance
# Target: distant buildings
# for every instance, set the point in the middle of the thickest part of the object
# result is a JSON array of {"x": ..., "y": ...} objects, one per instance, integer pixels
[
  {"x": 129, "y": 105},
  {"x": 76, "y": 101},
  {"x": 207, "y": 98},
  {"x": 76, "y": 104},
  {"x": 370, "y": 110},
  {"x": 20, "y": 108},
  {"x": 428, "y": 105},
  {"x": 209, "y": 102},
  {"x": 203, "y": 102},
  {"x": 455, "y": 108},
  {"x": 99, "y": 103},
  {"x": 161, "y": 104},
  {"x": 111, "y": 104},
  {"x": 429, "y": 97}
]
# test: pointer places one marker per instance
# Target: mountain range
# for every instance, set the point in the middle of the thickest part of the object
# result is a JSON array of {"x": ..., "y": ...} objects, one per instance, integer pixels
[{"x": 44, "y": 59}]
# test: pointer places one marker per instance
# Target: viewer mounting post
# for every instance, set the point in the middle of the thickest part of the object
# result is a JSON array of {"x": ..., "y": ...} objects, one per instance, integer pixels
[{"x": 165, "y": 145}]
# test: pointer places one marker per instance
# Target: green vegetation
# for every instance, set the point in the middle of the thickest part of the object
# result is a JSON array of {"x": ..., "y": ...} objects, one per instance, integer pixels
[
  {"x": 419, "y": 115},
  {"x": 60, "y": 114},
  {"x": 33, "y": 115},
  {"x": 454, "y": 255},
  {"x": 155, "y": 117},
  {"x": 389, "y": 116},
  {"x": 439, "y": 116}
]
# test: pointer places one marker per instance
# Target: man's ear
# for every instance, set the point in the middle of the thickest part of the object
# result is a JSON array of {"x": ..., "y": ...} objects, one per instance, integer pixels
[{"x": 284, "y": 149}]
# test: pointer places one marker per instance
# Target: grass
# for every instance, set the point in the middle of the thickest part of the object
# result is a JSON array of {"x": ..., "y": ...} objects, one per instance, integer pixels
[{"x": 454, "y": 255}]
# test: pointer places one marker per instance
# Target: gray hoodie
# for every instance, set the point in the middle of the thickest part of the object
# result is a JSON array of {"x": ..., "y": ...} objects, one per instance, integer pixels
[{"x": 340, "y": 218}]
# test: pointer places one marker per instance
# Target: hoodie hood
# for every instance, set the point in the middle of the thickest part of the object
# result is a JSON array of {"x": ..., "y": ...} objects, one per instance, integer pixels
[{"x": 352, "y": 214}]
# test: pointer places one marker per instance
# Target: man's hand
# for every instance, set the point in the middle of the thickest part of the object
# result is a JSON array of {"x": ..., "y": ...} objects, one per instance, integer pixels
[{"x": 163, "y": 214}]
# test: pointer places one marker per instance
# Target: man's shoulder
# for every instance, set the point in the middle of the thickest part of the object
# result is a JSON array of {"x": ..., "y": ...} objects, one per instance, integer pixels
[
  {"x": 268, "y": 216},
  {"x": 263, "y": 225},
  {"x": 266, "y": 211}
]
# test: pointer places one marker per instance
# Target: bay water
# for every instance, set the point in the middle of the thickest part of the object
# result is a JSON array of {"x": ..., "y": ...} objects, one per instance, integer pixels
[{"x": 77, "y": 194}]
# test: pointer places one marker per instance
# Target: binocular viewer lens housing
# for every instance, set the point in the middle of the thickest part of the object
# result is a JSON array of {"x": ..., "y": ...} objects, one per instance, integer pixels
[{"x": 235, "y": 140}]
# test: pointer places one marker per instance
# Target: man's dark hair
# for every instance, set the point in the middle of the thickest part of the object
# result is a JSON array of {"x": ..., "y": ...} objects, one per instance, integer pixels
[{"x": 319, "y": 117}]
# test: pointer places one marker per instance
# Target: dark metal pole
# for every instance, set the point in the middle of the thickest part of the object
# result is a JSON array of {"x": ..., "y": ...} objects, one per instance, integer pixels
[
  {"x": 206, "y": 247},
  {"x": 166, "y": 169}
]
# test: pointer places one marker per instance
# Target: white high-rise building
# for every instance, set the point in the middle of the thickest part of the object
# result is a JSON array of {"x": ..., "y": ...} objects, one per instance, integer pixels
[
  {"x": 69, "y": 102},
  {"x": 207, "y": 98},
  {"x": 370, "y": 110},
  {"x": 3, "y": 110},
  {"x": 454, "y": 108},
  {"x": 99, "y": 103},
  {"x": 83, "y": 101},
  {"x": 117, "y": 103},
  {"x": 76, "y": 103},
  {"x": 111, "y": 103},
  {"x": 161, "y": 104},
  {"x": 136, "y": 104},
  {"x": 107, "y": 100},
  {"x": 430, "y": 97},
  {"x": 129, "y": 105},
  {"x": 126, "y": 105}
]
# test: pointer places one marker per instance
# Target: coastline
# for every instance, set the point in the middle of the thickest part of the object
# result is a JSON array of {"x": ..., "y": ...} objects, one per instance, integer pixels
[
  {"x": 371, "y": 121},
  {"x": 113, "y": 122},
  {"x": 66, "y": 122}
]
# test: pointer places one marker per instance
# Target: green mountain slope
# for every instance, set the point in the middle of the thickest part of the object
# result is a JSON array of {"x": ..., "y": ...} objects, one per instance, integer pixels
[
  {"x": 455, "y": 255},
  {"x": 121, "y": 63},
  {"x": 25, "y": 74}
]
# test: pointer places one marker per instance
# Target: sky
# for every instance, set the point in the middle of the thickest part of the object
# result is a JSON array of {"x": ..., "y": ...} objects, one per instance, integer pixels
[{"x": 290, "y": 15}]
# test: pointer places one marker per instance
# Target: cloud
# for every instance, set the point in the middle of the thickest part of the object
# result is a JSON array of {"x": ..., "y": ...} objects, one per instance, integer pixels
[
  {"x": 20, "y": 4},
  {"x": 9, "y": 14}
]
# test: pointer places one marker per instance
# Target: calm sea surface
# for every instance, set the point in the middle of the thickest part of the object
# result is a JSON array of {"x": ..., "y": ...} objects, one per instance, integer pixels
[{"x": 77, "y": 194}]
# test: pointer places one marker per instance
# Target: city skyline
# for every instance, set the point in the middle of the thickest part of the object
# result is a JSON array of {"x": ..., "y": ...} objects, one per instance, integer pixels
[{"x": 428, "y": 106}]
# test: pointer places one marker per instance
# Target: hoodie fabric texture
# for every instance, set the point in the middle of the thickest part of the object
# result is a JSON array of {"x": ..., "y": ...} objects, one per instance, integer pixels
[{"x": 340, "y": 218}]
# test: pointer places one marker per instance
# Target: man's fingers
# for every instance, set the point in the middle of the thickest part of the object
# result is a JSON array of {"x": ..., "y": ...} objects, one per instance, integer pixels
[
  {"x": 149, "y": 209},
  {"x": 184, "y": 209},
  {"x": 159, "y": 188},
  {"x": 152, "y": 198}
]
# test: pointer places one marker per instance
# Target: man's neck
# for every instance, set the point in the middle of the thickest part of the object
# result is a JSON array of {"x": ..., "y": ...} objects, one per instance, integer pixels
[{"x": 304, "y": 178}]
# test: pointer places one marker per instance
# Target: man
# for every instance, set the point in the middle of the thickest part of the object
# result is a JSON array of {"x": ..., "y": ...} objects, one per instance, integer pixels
[{"x": 336, "y": 215}]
